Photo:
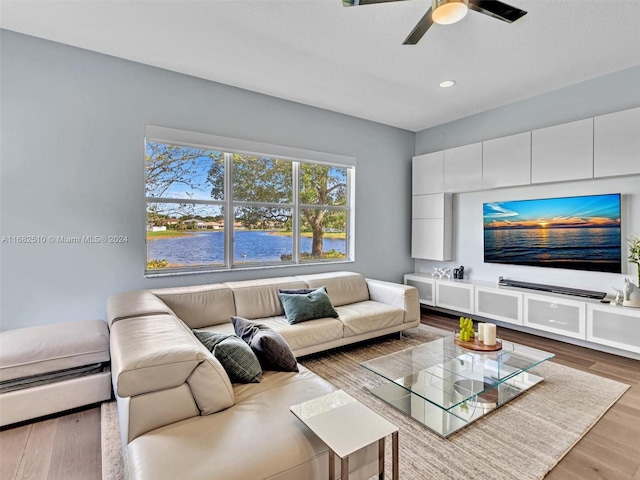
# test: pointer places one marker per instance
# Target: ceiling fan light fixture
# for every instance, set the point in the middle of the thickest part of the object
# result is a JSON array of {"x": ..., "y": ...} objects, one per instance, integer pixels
[{"x": 446, "y": 12}]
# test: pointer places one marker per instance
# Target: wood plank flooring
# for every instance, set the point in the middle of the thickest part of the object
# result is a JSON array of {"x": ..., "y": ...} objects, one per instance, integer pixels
[
  {"x": 62, "y": 448},
  {"x": 68, "y": 447}
]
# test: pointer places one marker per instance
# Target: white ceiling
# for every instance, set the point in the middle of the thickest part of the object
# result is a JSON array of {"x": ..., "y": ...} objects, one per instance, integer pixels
[{"x": 351, "y": 60}]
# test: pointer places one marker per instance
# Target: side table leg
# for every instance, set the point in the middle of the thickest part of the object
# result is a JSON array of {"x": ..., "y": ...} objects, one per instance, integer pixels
[
  {"x": 332, "y": 465},
  {"x": 344, "y": 470},
  {"x": 381, "y": 459},
  {"x": 396, "y": 447}
]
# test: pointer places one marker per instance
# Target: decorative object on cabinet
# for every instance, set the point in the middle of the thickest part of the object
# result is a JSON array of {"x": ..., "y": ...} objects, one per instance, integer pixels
[
  {"x": 631, "y": 294},
  {"x": 634, "y": 253}
]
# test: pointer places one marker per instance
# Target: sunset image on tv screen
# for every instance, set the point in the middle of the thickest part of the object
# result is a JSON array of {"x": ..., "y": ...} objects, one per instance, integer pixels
[{"x": 580, "y": 233}]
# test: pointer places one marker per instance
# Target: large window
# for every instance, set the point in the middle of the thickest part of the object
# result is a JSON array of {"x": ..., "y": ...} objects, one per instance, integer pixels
[{"x": 216, "y": 208}]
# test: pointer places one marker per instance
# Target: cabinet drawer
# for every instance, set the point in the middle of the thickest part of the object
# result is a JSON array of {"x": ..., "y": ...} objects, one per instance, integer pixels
[
  {"x": 499, "y": 305},
  {"x": 614, "y": 326},
  {"x": 557, "y": 315},
  {"x": 454, "y": 296},
  {"x": 426, "y": 289}
]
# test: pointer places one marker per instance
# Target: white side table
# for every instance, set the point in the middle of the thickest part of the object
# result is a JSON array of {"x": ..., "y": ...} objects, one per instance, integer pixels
[{"x": 346, "y": 426}]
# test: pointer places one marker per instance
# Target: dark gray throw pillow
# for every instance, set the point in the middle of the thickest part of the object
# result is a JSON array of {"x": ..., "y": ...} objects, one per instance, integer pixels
[
  {"x": 315, "y": 304},
  {"x": 302, "y": 291},
  {"x": 237, "y": 358},
  {"x": 270, "y": 347}
]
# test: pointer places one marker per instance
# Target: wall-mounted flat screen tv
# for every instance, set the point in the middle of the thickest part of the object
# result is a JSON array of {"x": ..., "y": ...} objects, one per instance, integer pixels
[{"x": 581, "y": 233}]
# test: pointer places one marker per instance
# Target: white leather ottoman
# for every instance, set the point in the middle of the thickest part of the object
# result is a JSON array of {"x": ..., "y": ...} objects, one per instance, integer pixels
[{"x": 52, "y": 368}]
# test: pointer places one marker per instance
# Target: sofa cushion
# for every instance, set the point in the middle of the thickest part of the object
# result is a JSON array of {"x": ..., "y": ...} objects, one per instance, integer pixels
[
  {"x": 199, "y": 306},
  {"x": 134, "y": 304},
  {"x": 272, "y": 350},
  {"x": 299, "y": 335},
  {"x": 237, "y": 358},
  {"x": 302, "y": 307},
  {"x": 343, "y": 287},
  {"x": 25, "y": 352},
  {"x": 369, "y": 316},
  {"x": 259, "y": 298}
]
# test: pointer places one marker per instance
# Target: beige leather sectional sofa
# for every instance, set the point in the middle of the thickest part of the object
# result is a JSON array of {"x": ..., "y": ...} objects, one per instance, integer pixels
[{"x": 180, "y": 416}]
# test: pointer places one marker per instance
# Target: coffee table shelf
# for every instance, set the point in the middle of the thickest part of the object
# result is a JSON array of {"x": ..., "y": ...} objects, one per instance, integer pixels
[{"x": 446, "y": 387}]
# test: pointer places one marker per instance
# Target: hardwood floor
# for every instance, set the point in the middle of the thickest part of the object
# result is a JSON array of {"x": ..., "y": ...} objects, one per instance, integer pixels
[
  {"x": 62, "y": 448},
  {"x": 68, "y": 447}
]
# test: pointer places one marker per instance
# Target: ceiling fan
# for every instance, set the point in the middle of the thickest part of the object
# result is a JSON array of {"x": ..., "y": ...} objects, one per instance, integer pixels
[{"x": 446, "y": 12}]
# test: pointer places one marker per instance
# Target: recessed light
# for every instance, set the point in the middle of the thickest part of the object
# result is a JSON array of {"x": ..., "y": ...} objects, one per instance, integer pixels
[{"x": 447, "y": 83}]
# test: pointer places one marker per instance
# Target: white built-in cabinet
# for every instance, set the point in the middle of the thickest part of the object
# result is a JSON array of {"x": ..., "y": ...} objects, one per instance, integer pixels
[
  {"x": 616, "y": 327},
  {"x": 431, "y": 226},
  {"x": 568, "y": 316},
  {"x": 428, "y": 173},
  {"x": 506, "y": 161},
  {"x": 426, "y": 287},
  {"x": 616, "y": 143},
  {"x": 503, "y": 305},
  {"x": 557, "y": 315},
  {"x": 463, "y": 168},
  {"x": 562, "y": 152}
]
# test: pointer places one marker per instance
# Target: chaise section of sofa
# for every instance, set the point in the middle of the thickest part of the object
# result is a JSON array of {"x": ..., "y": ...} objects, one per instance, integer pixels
[{"x": 181, "y": 417}]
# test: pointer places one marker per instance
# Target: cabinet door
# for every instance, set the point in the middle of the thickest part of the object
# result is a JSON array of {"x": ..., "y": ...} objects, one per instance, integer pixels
[
  {"x": 614, "y": 326},
  {"x": 616, "y": 143},
  {"x": 562, "y": 152},
  {"x": 463, "y": 168},
  {"x": 437, "y": 205},
  {"x": 557, "y": 315},
  {"x": 454, "y": 296},
  {"x": 431, "y": 238},
  {"x": 425, "y": 286},
  {"x": 499, "y": 304},
  {"x": 506, "y": 161},
  {"x": 428, "y": 173}
]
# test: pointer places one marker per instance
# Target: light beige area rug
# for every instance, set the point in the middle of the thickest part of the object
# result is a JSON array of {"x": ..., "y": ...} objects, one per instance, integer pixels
[{"x": 521, "y": 440}]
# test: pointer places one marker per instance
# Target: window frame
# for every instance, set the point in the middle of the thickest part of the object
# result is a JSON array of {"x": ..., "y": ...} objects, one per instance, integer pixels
[{"x": 230, "y": 146}]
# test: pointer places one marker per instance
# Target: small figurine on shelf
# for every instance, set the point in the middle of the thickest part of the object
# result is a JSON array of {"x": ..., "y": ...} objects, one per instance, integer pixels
[
  {"x": 466, "y": 329},
  {"x": 446, "y": 272}
]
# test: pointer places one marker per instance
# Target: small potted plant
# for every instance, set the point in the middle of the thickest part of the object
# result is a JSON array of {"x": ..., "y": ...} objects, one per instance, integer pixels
[{"x": 634, "y": 253}]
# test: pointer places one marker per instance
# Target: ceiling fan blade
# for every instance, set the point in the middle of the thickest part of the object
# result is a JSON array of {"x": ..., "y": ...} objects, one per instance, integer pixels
[
  {"x": 420, "y": 29},
  {"x": 357, "y": 3},
  {"x": 496, "y": 9}
]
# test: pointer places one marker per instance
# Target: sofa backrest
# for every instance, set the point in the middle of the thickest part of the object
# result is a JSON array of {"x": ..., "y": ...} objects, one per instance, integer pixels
[
  {"x": 343, "y": 288},
  {"x": 259, "y": 298},
  {"x": 200, "y": 306}
]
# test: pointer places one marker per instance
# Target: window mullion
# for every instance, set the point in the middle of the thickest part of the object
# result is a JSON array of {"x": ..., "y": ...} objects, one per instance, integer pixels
[
  {"x": 295, "y": 221},
  {"x": 228, "y": 210}
]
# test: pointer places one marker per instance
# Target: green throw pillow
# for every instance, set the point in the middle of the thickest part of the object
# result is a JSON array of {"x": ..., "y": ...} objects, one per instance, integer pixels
[
  {"x": 237, "y": 358},
  {"x": 299, "y": 308}
]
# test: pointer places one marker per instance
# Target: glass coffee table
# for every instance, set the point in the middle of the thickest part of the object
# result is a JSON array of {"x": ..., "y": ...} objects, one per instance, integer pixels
[{"x": 446, "y": 387}]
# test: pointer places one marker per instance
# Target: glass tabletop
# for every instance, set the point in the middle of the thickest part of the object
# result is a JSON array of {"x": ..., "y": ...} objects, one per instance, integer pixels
[{"x": 448, "y": 375}]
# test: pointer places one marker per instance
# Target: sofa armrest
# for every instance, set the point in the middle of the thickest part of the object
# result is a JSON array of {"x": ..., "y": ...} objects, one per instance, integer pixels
[
  {"x": 397, "y": 295},
  {"x": 159, "y": 352}
]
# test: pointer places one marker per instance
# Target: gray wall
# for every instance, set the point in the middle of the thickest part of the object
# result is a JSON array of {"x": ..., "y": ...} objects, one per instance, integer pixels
[
  {"x": 610, "y": 93},
  {"x": 72, "y": 164}
]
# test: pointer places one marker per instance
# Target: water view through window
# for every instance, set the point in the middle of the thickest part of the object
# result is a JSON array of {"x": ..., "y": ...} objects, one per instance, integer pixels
[{"x": 209, "y": 208}]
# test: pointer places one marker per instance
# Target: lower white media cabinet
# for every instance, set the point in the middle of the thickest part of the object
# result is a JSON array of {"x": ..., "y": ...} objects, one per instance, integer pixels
[{"x": 563, "y": 317}]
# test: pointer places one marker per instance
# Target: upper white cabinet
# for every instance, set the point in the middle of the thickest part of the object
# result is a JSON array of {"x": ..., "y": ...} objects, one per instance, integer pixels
[
  {"x": 428, "y": 173},
  {"x": 506, "y": 161},
  {"x": 616, "y": 143},
  {"x": 463, "y": 168},
  {"x": 562, "y": 152}
]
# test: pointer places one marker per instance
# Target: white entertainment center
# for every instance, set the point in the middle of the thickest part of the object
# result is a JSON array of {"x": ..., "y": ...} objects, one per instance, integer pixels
[
  {"x": 594, "y": 155},
  {"x": 563, "y": 315}
]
